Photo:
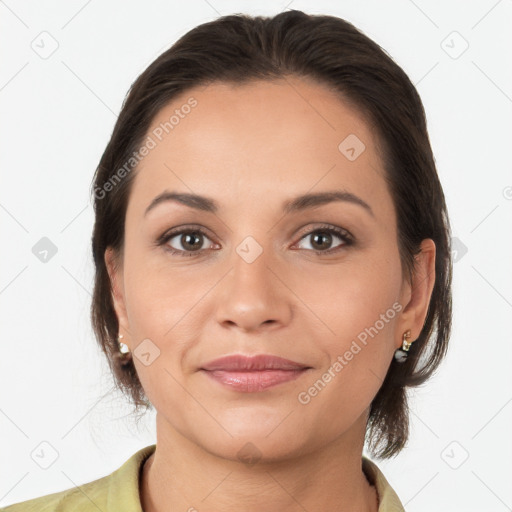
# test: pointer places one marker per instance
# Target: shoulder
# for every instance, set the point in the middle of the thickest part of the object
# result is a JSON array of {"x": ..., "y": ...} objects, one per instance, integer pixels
[
  {"x": 73, "y": 499},
  {"x": 388, "y": 499},
  {"x": 117, "y": 491}
]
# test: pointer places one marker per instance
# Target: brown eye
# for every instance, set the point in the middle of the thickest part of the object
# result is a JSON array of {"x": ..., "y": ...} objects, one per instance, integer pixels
[
  {"x": 188, "y": 241},
  {"x": 321, "y": 240}
]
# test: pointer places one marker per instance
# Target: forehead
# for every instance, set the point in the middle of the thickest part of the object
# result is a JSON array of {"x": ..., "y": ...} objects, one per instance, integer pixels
[{"x": 284, "y": 137}]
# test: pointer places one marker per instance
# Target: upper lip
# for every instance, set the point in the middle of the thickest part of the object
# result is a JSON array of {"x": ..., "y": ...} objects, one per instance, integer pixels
[{"x": 238, "y": 362}]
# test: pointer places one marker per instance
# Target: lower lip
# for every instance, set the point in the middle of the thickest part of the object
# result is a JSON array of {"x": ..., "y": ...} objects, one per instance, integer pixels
[{"x": 254, "y": 381}]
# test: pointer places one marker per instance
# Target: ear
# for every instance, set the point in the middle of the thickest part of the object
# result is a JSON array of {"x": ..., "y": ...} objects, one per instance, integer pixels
[
  {"x": 115, "y": 273},
  {"x": 416, "y": 296}
]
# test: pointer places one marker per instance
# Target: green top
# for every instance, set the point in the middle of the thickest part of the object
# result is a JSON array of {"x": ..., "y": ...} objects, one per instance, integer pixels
[{"x": 119, "y": 491}]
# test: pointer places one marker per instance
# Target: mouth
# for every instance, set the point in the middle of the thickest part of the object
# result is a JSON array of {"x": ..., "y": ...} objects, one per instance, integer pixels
[{"x": 253, "y": 374}]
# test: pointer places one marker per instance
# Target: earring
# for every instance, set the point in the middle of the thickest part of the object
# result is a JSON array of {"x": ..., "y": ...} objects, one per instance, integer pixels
[
  {"x": 123, "y": 347},
  {"x": 402, "y": 353}
]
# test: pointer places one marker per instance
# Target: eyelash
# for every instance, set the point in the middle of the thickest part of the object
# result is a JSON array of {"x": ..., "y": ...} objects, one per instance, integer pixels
[{"x": 343, "y": 234}]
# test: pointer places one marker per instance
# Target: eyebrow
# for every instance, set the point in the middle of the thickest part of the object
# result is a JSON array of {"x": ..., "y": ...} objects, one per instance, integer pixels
[{"x": 296, "y": 204}]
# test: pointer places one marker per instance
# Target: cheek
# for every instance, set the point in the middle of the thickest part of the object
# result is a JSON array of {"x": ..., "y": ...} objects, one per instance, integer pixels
[
  {"x": 166, "y": 306},
  {"x": 357, "y": 357},
  {"x": 164, "y": 326},
  {"x": 158, "y": 295},
  {"x": 358, "y": 308},
  {"x": 350, "y": 297}
]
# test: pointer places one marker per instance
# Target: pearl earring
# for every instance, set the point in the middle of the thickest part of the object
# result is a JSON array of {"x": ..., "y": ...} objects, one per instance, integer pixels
[
  {"x": 402, "y": 353},
  {"x": 123, "y": 347}
]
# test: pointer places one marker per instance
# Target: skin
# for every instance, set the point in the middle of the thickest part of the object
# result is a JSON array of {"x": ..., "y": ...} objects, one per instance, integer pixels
[{"x": 250, "y": 148}]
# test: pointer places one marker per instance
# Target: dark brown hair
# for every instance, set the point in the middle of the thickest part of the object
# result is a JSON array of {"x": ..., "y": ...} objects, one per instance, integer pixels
[{"x": 332, "y": 52}]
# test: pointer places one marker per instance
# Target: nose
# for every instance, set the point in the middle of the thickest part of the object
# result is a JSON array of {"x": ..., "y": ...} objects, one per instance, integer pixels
[{"x": 253, "y": 296}]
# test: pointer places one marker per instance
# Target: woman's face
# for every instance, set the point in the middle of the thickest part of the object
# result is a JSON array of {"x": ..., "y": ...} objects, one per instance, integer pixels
[{"x": 256, "y": 270}]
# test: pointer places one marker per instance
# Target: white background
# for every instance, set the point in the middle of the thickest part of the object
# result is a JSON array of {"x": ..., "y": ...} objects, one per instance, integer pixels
[{"x": 57, "y": 115}]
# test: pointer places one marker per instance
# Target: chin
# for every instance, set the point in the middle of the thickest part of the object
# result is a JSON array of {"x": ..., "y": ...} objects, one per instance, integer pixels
[
  {"x": 256, "y": 448},
  {"x": 265, "y": 435}
]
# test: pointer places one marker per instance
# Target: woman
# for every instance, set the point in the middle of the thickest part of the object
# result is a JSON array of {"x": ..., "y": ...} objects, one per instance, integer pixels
[{"x": 272, "y": 270}]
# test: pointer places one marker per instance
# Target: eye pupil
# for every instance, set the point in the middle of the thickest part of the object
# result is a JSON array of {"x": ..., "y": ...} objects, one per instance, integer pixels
[
  {"x": 319, "y": 236},
  {"x": 186, "y": 240}
]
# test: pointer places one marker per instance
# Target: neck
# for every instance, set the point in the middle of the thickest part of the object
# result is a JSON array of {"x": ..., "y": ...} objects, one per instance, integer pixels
[{"x": 180, "y": 475}]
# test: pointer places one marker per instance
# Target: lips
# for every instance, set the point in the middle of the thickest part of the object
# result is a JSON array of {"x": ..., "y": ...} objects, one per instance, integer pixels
[
  {"x": 253, "y": 374},
  {"x": 239, "y": 362}
]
